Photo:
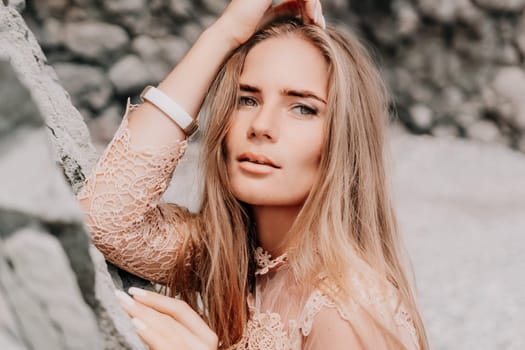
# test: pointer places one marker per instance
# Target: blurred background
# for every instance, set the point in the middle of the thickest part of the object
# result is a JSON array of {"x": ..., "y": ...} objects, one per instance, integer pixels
[
  {"x": 454, "y": 66},
  {"x": 456, "y": 73}
]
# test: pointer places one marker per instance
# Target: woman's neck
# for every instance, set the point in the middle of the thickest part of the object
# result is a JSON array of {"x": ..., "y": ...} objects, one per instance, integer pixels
[{"x": 273, "y": 224}]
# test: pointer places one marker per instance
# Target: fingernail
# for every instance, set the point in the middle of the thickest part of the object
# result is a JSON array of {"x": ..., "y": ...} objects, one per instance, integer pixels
[
  {"x": 323, "y": 22},
  {"x": 137, "y": 291},
  {"x": 124, "y": 298},
  {"x": 138, "y": 323}
]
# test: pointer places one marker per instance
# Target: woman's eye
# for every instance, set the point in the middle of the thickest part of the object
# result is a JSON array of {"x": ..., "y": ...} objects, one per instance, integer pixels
[
  {"x": 247, "y": 101},
  {"x": 305, "y": 110}
]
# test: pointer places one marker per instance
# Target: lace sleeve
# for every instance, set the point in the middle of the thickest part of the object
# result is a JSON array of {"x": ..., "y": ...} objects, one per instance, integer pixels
[{"x": 120, "y": 199}]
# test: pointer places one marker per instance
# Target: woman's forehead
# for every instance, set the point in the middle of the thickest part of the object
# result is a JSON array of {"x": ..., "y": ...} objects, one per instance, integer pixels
[{"x": 286, "y": 62}]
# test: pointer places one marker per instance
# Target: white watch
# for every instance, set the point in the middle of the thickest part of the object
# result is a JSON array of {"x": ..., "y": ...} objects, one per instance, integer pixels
[{"x": 170, "y": 108}]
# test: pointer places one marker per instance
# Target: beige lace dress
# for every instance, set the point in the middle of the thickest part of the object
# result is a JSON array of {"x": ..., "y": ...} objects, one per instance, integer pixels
[{"x": 134, "y": 230}]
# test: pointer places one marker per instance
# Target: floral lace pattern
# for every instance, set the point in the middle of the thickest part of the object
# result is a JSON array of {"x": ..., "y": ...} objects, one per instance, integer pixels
[
  {"x": 265, "y": 262},
  {"x": 263, "y": 331}
]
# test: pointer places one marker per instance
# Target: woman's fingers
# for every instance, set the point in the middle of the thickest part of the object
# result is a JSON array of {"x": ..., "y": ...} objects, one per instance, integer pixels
[
  {"x": 178, "y": 310},
  {"x": 158, "y": 341},
  {"x": 313, "y": 12},
  {"x": 322, "y": 21},
  {"x": 159, "y": 330},
  {"x": 241, "y": 18},
  {"x": 152, "y": 339},
  {"x": 286, "y": 8},
  {"x": 160, "y": 323},
  {"x": 310, "y": 11}
]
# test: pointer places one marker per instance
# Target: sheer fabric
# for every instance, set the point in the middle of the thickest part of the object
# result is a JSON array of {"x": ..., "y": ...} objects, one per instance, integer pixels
[{"x": 129, "y": 225}]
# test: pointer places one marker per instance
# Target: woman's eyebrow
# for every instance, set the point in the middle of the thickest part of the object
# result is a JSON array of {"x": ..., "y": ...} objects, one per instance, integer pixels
[
  {"x": 249, "y": 88},
  {"x": 302, "y": 93},
  {"x": 285, "y": 92}
]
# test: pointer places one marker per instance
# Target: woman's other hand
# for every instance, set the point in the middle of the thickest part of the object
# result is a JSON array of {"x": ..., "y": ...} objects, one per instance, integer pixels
[
  {"x": 166, "y": 323},
  {"x": 242, "y": 17}
]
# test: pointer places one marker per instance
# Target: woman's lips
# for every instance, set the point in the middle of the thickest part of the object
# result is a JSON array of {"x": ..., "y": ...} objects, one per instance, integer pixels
[{"x": 256, "y": 163}]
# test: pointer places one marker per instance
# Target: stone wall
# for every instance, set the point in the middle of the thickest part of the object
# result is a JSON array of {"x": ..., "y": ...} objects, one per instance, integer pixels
[
  {"x": 455, "y": 67},
  {"x": 55, "y": 288}
]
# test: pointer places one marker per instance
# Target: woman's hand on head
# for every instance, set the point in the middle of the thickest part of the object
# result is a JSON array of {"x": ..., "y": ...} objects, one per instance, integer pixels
[
  {"x": 166, "y": 323},
  {"x": 242, "y": 17}
]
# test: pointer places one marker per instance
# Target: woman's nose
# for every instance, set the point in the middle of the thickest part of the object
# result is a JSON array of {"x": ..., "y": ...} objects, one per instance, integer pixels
[{"x": 264, "y": 124}]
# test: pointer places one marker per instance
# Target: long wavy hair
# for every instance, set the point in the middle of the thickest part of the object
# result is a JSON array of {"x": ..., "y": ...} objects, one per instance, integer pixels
[{"x": 346, "y": 221}]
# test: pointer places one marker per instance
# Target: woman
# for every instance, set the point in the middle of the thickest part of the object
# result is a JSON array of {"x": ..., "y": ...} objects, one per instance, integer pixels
[{"x": 295, "y": 244}]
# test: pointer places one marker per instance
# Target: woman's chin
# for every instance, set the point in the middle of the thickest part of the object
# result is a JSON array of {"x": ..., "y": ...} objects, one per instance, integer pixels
[{"x": 265, "y": 197}]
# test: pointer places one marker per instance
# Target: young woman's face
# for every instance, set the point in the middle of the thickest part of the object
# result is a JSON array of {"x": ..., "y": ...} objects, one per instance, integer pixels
[{"x": 277, "y": 131}]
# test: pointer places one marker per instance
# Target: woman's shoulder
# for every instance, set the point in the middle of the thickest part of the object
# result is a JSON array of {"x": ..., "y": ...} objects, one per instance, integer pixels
[{"x": 356, "y": 311}]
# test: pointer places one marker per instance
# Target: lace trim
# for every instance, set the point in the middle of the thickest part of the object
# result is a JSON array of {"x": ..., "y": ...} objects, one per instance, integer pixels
[
  {"x": 313, "y": 305},
  {"x": 264, "y": 261}
]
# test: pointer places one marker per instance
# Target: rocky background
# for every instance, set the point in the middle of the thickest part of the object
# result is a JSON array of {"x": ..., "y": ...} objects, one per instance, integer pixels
[
  {"x": 56, "y": 291},
  {"x": 455, "y": 68}
]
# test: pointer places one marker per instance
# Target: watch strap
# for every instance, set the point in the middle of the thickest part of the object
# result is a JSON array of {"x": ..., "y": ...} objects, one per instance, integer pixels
[{"x": 171, "y": 108}]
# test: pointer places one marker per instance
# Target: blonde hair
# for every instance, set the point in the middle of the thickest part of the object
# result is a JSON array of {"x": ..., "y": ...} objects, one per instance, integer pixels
[{"x": 347, "y": 218}]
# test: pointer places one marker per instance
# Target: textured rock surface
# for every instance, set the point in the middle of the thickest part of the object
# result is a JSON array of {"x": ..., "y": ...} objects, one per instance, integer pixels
[
  {"x": 72, "y": 148},
  {"x": 18, "y": 5},
  {"x": 130, "y": 74},
  {"x": 46, "y": 274},
  {"x": 95, "y": 41},
  {"x": 45, "y": 299},
  {"x": 45, "y": 150},
  {"x": 502, "y": 5},
  {"x": 88, "y": 86}
]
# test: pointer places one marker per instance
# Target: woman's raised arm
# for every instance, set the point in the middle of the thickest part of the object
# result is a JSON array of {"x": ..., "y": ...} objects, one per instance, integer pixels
[{"x": 120, "y": 198}]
